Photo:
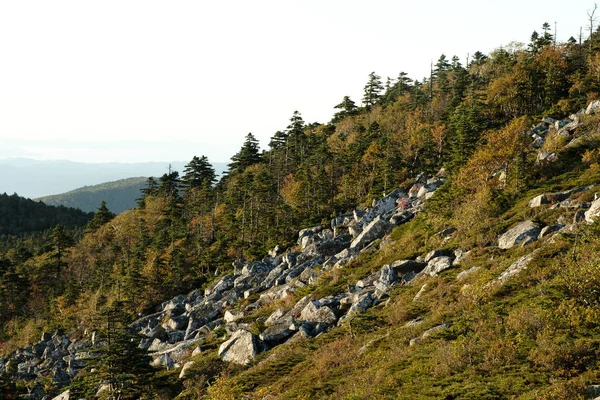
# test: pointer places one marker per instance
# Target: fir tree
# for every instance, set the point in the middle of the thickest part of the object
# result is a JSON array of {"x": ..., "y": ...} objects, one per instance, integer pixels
[{"x": 372, "y": 90}]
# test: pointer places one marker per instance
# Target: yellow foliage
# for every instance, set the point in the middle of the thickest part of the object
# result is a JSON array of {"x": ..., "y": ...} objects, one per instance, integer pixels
[
  {"x": 497, "y": 155},
  {"x": 291, "y": 191}
]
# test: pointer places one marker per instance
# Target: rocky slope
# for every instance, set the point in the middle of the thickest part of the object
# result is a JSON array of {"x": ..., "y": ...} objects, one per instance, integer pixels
[{"x": 233, "y": 304}]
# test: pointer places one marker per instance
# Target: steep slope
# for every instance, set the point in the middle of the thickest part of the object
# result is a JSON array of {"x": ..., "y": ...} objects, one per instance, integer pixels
[
  {"x": 119, "y": 195},
  {"x": 435, "y": 309}
]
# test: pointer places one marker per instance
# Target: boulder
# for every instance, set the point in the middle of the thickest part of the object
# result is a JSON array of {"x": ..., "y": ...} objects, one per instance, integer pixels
[
  {"x": 459, "y": 256},
  {"x": 279, "y": 331},
  {"x": 516, "y": 267},
  {"x": 593, "y": 107},
  {"x": 549, "y": 229},
  {"x": 428, "y": 333},
  {"x": 176, "y": 323},
  {"x": 538, "y": 201},
  {"x": 437, "y": 265},
  {"x": 201, "y": 315},
  {"x": 387, "y": 277},
  {"x": 545, "y": 157},
  {"x": 519, "y": 233},
  {"x": 593, "y": 212},
  {"x": 220, "y": 285},
  {"x": 233, "y": 315},
  {"x": 163, "y": 360},
  {"x": 186, "y": 369},
  {"x": 314, "y": 312},
  {"x": 380, "y": 207},
  {"x": 375, "y": 230},
  {"x": 242, "y": 347},
  {"x": 66, "y": 395},
  {"x": 361, "y": 301}
]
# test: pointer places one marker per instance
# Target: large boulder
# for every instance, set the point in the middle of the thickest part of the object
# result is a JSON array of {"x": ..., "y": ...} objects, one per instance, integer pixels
[
  {"x": 280, "y": 331},
  {"x": 525, "y": 231},
  {"x": 201, "y": 315},
  {"x": 314, "y": 312},
  {"x": 242, "y": 347},
  {"x": 164, "y": 360},
  {"x": 538, "y": 201},
  {"x": 375, "y": 230},
  {"x": 387, "y": 278},
  {"x": 437, "y": 265}
]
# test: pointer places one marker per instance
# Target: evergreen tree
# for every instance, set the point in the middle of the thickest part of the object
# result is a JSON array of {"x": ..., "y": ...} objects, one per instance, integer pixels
[
  {"x": 61, "y": 239},
  {"x": 198, "y": 173},
  {"x": 372, "y": 90},
  {"x": 101, "y": 217},
  {"x": 117, "y": 361},
  {"x": 467, "y": 124},
  {"x": 248, "y": 155},
  {"x": 347, "y": 108}
]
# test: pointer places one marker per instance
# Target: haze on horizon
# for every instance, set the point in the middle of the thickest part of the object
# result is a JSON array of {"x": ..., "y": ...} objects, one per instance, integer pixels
[{"x": 159, "y": 81}]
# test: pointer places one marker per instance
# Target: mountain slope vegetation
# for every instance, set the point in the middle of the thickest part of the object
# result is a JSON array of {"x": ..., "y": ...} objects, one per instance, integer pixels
[
  {"x": 449, "y": 251},
  {"x": 20, "y": 216},
  {"x": 119, "y": 195}
]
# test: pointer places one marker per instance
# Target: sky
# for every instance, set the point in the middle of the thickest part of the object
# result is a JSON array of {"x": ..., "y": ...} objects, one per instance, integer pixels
[{"x": 132, "y": 81}]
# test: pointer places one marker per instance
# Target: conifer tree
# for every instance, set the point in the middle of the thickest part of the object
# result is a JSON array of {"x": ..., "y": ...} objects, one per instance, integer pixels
[
  {"x": 116, "y": 361},
  {"x": 198, "y": 173},
  {"x": 101, "y": 217},
  {"x": 248, "y": 155},
  {"x": 347, "y": 108},
  {"x": 372, "y": 90}
]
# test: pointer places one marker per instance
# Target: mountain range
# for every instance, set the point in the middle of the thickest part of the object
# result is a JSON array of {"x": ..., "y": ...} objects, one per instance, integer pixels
[{"x": 36, "y": 178}]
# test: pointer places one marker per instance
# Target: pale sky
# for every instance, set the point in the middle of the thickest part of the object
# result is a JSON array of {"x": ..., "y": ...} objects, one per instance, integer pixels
[{"x": 147, "y": 80}]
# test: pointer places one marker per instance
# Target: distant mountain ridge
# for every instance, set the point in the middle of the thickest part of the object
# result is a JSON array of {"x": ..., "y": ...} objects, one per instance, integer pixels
[
  {"x": 119, "y": 195},
  {"x": 36, "y": 178}
]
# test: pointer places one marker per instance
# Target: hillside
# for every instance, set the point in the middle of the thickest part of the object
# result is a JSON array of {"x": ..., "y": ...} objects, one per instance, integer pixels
[
  {"x": 439, "y": 242},
  {"x": 119, "y": 195},
  {"x": 20, "y": 216}
]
